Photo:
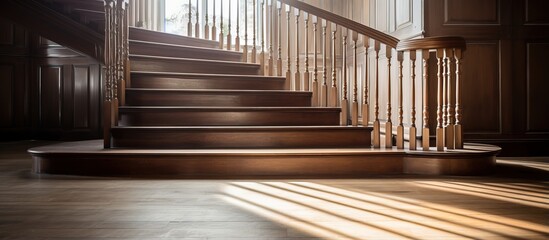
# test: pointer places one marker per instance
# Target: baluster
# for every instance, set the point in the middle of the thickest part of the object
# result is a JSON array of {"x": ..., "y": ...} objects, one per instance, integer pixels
[
  {"x": 400, "y": 127},
  {"x": 444, "y": 92},
  {"x": 197, "y": 24},
  {"x": 254, "y": 49},
  {"x": 214, "y": 29},
  {"x": 306, "y": 74},
  {"x": 288, "y": 47},
  {"x": 426, "y": 133},
  {"x": 107, "y": 105},
  {"x": 413, "y": 129},
  {"x": 279, "y": 60},
  {"x": 457, "y": 127},
  {"x": 245, "y": 52},
  {"x": 297, "y": 78},
  {"x": 190, "y": 24},
  {"x": 237, "y": 38},
  {"x": 116, "y": 61},
  {"x": 389, "y": 123},
  {"x": 324, "y": 88},
  {"x": 354, "y": 107},
  {"x": 449, "y": 133},
  {"x": 122, "y": 88},
  {"x": 262, "y": 25},
  {"x": 377, "y": 127},
  {"x": 126, "y": 52},
  {"x": 440, "y": 93},
  {"x": 271, "y": 37},
  {"x": 365, "y": 101},
  {"x": 333, "y": 90},
  {"x": 344, "y": 101},
  {"x": 315, "y": 97},
  {"x": 229, "y": 36},
  {"x": 206, "y": 24},
  {"x": 221, "y": 38}
]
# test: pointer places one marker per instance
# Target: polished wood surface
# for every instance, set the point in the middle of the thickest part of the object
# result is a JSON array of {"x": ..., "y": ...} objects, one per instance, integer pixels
[
  {"x": 209, "y": 97},
  {"x": 508, "y": 204},
  {"x": 160, "y": 37},
  {"x": 181, "y": 51},
  {"x": 142, "y": 79},
  {"x": 227, "y": 116},
  {"x": 240, "y": 137},
  {"x": 190, "y": 65}
]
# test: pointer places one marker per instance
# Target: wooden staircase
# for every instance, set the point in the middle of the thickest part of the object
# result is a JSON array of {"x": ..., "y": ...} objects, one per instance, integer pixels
[
  {"x": 192, "y": 110},
  {"x": 192, "y": 95}
]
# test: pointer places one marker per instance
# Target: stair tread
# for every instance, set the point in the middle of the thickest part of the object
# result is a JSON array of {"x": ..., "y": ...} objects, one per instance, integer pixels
[
  {"x": 222, "y": 108},
  {"x": 243, "y": 128},
  {"x": 227, "y": 91},
  {"x": 184, "y": 46},
  {"x": 134, "y": 30},
  {"x": 204, "y": 61},
  {"x": 243, "y": 77}
]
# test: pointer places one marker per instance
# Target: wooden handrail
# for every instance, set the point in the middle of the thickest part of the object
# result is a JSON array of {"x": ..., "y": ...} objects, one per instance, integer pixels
[
  {"x": 344, "y": 22},
  {"x": 431, "y": 43}
]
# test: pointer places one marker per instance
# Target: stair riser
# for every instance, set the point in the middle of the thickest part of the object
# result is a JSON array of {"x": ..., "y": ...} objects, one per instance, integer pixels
[
  {"x": 160, "y": 98},
  {"x": 226, "y": 138},
  {"x": 191, "y": 66},
  {"x": 138, "y": 81},
  {"x": 182, "y": 52},
  {"x": 202, "y": 118}
]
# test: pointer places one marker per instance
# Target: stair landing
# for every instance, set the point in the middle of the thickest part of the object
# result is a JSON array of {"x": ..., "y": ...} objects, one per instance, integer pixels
[{"x": 90, "y": 158}]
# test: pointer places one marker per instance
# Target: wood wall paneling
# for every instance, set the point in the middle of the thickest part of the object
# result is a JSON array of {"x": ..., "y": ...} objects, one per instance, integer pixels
[
  {"x": 536, "y": 11},
  {"x": 50, "y": 96},
  {"x": 81, "y": 102},
  {"x": 13, "y": 39},
  {"x": 537, "y": 86},
  {"x": 471, "y": 11},
  {"x": 7, "y": 75}
]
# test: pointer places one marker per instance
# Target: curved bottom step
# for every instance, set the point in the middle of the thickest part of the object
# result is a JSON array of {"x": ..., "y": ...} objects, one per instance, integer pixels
[{"x": 89, "y": 158}]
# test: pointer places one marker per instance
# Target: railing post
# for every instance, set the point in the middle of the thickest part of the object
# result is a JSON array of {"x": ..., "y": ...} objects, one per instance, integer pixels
[
  {"x": 271, "y": 23},
  {"x": 297, "y": 76},
  {"x": 206, "y": 24},
  {"x": 324, "y": 88},
  {"x": 449, "y": 127},
  {"x": 190, "y": 24},
  {"x": 426, "y": 133},
  {"x": 107, "y": 103},
  {"x": 365, "y": 101},
  {"x": 245, "y": 50},
  {"x": 400, "y": 127},
  {"x": 214, "y": 28},
  {"x": 333, "y": 90},
  {"x": 413, "y": 129},
  {"x": 288, "y": 85},
  {"x": 237, "y": 38},
  {"x": 344, "y": 99},
  {"x": 440, "y": 94},
  {"x": 254, "y": 49},
  {"x": 389, "y": 123},
  {"x": 315, "y": 99},
  {"x": 306, "y": 74},
  {"x": 458, "y": 128},
  {"x": 279, "y": 52},
  {"x": 262, "y": 54},
  {"x": 354, "y": 107},
  {"x": 229, "y": 36},
  {"x": 377, "y": 127},
  {"x": 197, "y": 24},
  {"x": 221, "y": 37}
]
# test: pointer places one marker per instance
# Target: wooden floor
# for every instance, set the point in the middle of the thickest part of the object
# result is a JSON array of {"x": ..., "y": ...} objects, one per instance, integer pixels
[{"x": 512, "y": 203}]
